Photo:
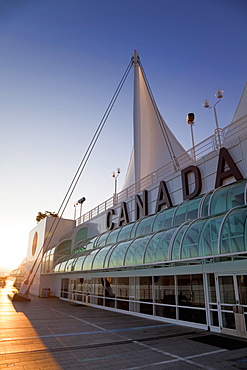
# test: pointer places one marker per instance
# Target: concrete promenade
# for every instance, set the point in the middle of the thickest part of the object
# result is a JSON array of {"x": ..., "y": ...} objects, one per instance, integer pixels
[{"x": 48, "y": 333}]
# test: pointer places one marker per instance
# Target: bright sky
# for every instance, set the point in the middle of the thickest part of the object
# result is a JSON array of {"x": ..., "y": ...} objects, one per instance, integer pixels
[{"x": 60, "y": 64}]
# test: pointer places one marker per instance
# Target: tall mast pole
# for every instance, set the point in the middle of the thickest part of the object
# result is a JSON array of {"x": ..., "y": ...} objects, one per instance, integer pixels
[{"x": 137, "y": 117}]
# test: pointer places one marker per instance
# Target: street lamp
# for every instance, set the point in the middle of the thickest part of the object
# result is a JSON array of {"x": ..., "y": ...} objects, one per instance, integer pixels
[
  {"x": 81, "y": 201},
  {"x": 115, "y": 176},
  {"x": 75, "y": 204},
  {"x": 191, "y": 120},
  {"x": 206, "y": 104}
]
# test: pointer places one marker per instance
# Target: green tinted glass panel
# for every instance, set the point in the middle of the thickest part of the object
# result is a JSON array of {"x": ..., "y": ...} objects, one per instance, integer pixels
[
  {"x": 193, "y": 209},
  {"x": 78, "y": 264},
  {"x": 175, "y": 247},
  {"x": 163, "y": 220},
  {"x": 150, "y": 253},
  {"x": 218, "y": 201},
  {"x": 92, "y": 243},
  {"x": 62, "y": 266},
  {"x": 208, "y": 244},
  {"x": 100, "y": 257},
  {"x": 108, "y": 255},
  {"x": 205, "y": 205},
  {"x": 133, "y": 230},
  {"x": 87, "y": 265},
  {"x": 162, "y": 253},
  {"x": 236, "y": 195},
  {"x": 190, "y": 245},
  {"x": 125, "y": 233},
  {"x": 112, "y": 236},
  {"x": 180, "y": 214},
  {"x": 145, "y": 226},
  {"x": 233, "y": 232},
  {"x": 134, "y": 254},
  {"x": 81, "y": 234},
  {"x": 118, "y": 253},
  {"x": 102, "y": 240}
]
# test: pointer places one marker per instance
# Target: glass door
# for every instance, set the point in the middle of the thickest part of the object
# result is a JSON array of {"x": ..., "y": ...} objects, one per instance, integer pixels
[{"x": 232, "y": 304}]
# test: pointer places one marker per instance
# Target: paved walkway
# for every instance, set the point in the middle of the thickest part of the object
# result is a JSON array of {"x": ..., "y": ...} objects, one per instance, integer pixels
[{"x": 47, "y": 333}]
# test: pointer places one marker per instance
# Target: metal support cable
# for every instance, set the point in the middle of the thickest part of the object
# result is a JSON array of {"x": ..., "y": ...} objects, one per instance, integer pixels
[{"x": 76, "y": 178}]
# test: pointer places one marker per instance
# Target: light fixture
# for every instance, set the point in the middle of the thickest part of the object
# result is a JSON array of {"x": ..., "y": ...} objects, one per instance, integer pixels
[
  {"x": 190, "y": 119},
  {"x": 206, "y": 104},
  {"x": 115, "y": 175}
]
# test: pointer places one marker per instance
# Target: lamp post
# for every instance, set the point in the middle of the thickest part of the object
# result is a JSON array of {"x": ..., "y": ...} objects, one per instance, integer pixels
[
  {"x": 191, "y": 120},
  {"x": 75, "y": 204},
  {"x": 81, "y": 201},
  {"x": 115, "y": 176},
  {"x": 206, "y": 104}
]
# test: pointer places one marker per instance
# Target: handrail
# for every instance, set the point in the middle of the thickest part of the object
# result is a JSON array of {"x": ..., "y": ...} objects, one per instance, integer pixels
[{"x": 230, "y": 132}]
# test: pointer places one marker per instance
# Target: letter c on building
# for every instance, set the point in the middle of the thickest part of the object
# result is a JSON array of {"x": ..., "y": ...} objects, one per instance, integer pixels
[{"x": 109, "y": 224}]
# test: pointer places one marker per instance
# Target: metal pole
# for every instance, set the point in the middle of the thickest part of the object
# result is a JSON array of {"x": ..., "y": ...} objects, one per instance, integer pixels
[
  {"x": 217, "y": 125},
  {"x": 193, "y": 143}
]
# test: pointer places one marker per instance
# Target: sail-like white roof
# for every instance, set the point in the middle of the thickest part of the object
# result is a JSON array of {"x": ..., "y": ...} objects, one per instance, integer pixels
[
  {"x": 239, "y": 118},
  {"x": 154, "y": 143}
]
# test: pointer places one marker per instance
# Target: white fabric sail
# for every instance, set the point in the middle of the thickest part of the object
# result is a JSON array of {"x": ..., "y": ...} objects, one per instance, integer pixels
[
  {"x": 242, "y": 106},
  {"x": 239, "y": 118},
  {"x": 154, "y": 143}
]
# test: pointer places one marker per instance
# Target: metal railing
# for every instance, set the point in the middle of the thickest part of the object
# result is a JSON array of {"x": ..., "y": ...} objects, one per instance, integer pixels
[{"x": 234, "y": 130}]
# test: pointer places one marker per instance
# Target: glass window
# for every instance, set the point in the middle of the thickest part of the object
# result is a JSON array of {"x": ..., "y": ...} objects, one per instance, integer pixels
[
  {"x": 112, "y": 236},
  {"x": 118, "y": 253},
  {"x": 163, "y": 220},
  {"x": 193, "y": 209},
  {"x": 212, "y": 289},
  {"x": 98, "y": 286},
  {"x": 87, "y": 265},
  {"x": 242, "y": 288},
  {"x": 232, "y": 238},
  {"x": 110, "y": 287},
  {"x": 123, "y": 287},
  {"x": 125, "y": 232},
  {"x": 145, "y": 226},
  {"x": 92, "y": 243},
  {"x": 144, "y": 291},
  {"x": 102, "y": 240},
  {"x": 186, "y": 211},
  {"x": 98, "y": 262},
  {"x": 236, "y": 195},
  {"x": 134, "y": 254},
  {"x": 180, "y": 214},
  {"x": 78, "y": 264},
  {"x": 208, "y": 244},
  {"x": 63, "y": 266},
  {"x": 133, "y": 230},
  {"x": 164, "y": 290},
  {"x": 175, "y": 246},
  {"x": 218, "y": 201},
  {"x": 227, "y": 294},
  {"x": 190, "y": 290},
  {"x": 205, "y": 204},
  {"x": 70, "y": 264},
  {"x": 151, "y": 249},
  {"x": 190, "y": 244},
  {"x": 162, "y": 253}
]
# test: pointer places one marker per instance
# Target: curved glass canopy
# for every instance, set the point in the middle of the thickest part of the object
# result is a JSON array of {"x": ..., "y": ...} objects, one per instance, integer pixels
[{"x": 212, "y": 225}]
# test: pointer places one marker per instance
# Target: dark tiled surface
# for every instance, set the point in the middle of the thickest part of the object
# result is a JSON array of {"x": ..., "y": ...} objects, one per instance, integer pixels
[{"x": 53, "y": 334}]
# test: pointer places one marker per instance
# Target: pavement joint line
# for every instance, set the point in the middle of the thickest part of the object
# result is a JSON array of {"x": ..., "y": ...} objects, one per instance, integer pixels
[
  {"x": 103, "y": 331},
  {"x": 77, "y": 318},
  {"x": 178, "y": 358},
  {"x": 96, "y": 345}
]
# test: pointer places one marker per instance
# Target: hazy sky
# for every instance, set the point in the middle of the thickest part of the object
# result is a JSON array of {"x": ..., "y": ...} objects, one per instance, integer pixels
[{"x": 60, "y": 63}]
